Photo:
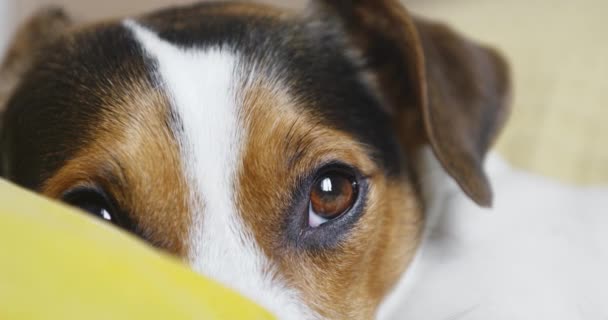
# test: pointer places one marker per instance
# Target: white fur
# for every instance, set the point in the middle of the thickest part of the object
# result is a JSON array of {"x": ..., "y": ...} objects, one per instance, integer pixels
[
  {"x": 541, "y": 253},
  {"x": 203, "y": 85}
]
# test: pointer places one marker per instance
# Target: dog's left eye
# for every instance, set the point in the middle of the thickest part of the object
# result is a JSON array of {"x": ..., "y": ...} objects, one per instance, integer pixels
[
  {"x": 94, "y": 202},
  {"x": 333, "y": 194}
]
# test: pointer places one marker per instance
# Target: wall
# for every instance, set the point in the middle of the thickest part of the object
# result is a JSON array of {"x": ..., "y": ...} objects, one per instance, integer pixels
[{"x": 6, "y": 22}]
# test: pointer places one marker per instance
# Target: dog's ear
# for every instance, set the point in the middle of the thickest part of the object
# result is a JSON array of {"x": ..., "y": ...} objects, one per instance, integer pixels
[
  {"x": 42, "y": 28},
  {"x": 441, "y": 89}
]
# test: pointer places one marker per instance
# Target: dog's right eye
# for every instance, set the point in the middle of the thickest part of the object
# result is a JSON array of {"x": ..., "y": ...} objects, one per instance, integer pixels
[
  {"x": 332, "y": 195},
  {"x": 94, "y": 202}
]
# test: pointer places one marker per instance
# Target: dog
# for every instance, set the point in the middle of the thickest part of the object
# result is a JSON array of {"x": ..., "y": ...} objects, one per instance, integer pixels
[{"x": 328, "y": 164}]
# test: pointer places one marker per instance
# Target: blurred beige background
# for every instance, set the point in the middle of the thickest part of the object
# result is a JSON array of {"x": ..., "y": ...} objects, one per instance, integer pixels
[{"x": 558, "y": 50}]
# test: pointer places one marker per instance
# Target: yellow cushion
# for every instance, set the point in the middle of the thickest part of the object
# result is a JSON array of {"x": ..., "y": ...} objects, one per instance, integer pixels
[{"x": 56, "y": 263}]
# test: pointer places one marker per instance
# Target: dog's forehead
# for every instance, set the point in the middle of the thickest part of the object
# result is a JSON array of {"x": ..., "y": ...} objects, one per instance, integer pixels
[
  {"x": 311, "y": 59},
  {"x": 72, "y": 84}
]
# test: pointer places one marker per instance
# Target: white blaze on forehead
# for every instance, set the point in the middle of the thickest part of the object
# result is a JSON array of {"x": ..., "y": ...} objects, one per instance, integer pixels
[{"x": 203, "y": 86}]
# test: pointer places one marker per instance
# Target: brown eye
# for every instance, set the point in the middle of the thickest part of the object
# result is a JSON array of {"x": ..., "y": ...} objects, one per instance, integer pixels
[
  {"x": 93, "y": 202},
  {"x": 332, "y": 195}
]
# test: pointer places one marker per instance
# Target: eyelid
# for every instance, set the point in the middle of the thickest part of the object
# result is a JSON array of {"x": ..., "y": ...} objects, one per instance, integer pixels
[
  {"x": 85, "y": 188},
  {"x": 79, "y": 188},
  {"x": 337, "y": 166}
]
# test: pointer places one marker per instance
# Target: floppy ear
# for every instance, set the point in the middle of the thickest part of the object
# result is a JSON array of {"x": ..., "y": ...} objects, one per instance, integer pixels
[
  {"x": 42, "y": 28},
  {"x": 442, "y": 89}
]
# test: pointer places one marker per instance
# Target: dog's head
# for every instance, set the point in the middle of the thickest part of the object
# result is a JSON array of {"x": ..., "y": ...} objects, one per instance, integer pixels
[{"x": 275, "y": 152}]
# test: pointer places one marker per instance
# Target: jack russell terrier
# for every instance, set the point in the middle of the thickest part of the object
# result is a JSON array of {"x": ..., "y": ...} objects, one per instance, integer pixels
[{"x": 328, "y": 164}]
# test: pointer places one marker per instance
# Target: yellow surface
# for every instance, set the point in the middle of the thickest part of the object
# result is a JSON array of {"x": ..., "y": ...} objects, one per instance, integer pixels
[
  {"x": 60, "y": 264},
  {"x": 559, "y": 53}
]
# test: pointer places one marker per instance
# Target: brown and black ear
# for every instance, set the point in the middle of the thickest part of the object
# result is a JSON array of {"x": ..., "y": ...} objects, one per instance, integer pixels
[
  {"x": 442, "y": 89},
  {"x": 42, "y": 28}
]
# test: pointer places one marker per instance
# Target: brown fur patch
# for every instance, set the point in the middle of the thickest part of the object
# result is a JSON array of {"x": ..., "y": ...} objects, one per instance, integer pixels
[
  {"x": 133, "y": 155},
  {"x": 284, "y": 144}
]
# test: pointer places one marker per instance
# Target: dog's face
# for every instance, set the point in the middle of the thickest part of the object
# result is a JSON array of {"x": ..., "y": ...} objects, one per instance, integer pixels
[{"x": 272, "y": 151}]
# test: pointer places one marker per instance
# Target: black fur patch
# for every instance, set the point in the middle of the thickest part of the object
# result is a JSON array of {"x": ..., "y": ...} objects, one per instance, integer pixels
[{"x": 54, "y": 110}]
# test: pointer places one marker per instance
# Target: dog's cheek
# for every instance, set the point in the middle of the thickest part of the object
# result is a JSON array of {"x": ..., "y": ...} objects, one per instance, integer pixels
[{"x": 351, "y": 281}]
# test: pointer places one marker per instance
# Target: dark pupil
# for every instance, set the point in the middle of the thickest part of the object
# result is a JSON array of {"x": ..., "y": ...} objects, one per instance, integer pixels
[
  {"x": 90, "y": 202},
  {"x": 96, "y": 210},
  {"x": 333, "y": 194}
]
